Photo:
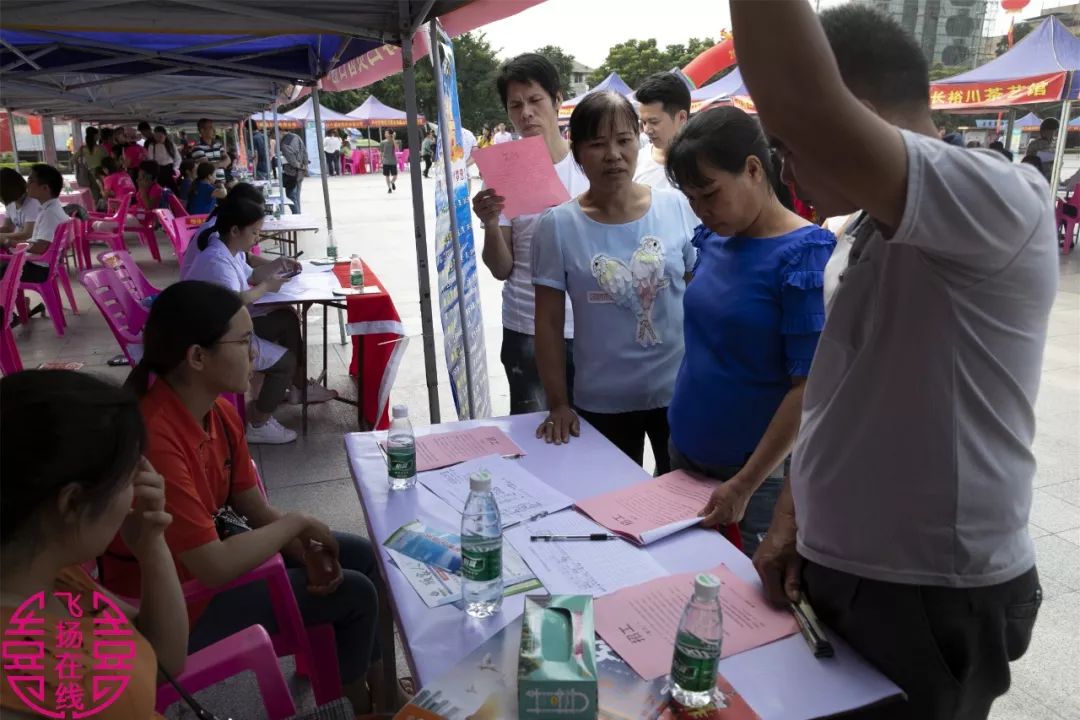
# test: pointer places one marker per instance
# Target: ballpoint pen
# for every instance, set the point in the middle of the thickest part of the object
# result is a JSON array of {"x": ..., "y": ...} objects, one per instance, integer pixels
[{"x": 560, "y": 538}]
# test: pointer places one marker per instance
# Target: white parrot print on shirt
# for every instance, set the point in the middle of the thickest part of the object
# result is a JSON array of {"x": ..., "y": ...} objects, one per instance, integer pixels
[{"x": 635, "y": 288}]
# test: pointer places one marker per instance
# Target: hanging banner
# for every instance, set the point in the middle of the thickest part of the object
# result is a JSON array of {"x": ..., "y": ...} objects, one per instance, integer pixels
[
  {"x": 459, "y": 290},
  {"x": 313, "y": 145},
  {"x": 975, "y": 95}
]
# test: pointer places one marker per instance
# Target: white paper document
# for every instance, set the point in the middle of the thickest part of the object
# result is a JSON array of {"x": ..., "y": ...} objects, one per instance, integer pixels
[
  {"x": 520, "y": 494},
  {"x": 437, "y": 587},
  {"x": 581, "y": 567}
]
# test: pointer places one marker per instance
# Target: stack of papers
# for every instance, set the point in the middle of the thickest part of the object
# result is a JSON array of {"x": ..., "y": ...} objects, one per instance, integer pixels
[
  {"x": 520, "y": 495},
  {"x": 424, "y": 555},
  {"x": 581, "y": 567},
  {"x": 651, "y": 510},
  {"x": 446, "y": 449},
  {"x": 640, "y": 622}
]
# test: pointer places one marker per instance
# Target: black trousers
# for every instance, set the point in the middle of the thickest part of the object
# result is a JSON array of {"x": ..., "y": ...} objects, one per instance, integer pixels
[
  {"x": 948, "y": 649},
  {"x": 628, "y": 430}
]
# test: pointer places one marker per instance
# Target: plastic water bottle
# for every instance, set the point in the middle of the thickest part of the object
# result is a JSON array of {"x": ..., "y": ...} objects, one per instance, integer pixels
[
  {"x": 481, "y": 550},
  {"x": 401, "y": 450},
  {"x": 697, "y": 647},
  {"x": 331, "y": 246},
  {"x": 356, "y": 272}
]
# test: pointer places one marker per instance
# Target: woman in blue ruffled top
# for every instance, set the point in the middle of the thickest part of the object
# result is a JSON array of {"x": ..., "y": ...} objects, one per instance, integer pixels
[{"x": 752, "y": 316}]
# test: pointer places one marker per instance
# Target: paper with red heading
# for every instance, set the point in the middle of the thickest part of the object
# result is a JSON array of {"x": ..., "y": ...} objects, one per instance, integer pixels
[
  {"x": 651, "y": 510},
  {"x": 521, "y": 171}
]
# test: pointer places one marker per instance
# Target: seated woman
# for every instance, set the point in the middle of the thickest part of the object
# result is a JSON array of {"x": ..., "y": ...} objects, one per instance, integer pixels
[
  {"x": 186, "y": 182},
  {"x": 199, "y": 343},
  {"x": 148, "y": 192},
  {"x": 752, "y": 317},
  {"x": 21, "y": 209},
  {"x": 117, "y": 181},
  {"x": 60, "y": 510},
  {"x": 223, "y": 259},
  {"x": 240, "y": 191},
  {"x": 622, "y": 251},
  {"x": 205, "y": 191}
]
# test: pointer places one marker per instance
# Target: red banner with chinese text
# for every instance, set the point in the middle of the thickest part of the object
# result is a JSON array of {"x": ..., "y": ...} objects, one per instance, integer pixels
[{"x": 976, "y": 95}]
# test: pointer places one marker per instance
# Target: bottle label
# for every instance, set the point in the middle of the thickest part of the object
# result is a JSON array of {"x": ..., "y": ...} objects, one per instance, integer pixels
[
  {"x": 694, "y": 666},
  {"x": 356, "y": 279},
  {"x": 331, "y": 252},
  {"x": 402, "y": 463},
  {"x": 480, "y": 564}
]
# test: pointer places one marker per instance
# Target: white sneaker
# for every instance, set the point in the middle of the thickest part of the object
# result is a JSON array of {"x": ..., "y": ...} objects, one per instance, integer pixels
[
  {"x": 316, "y": 393},
  {"x": 270, "y": 433}
]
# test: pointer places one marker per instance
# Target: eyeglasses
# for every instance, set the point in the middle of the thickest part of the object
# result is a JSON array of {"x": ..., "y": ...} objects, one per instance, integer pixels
[{"x": 249, "y": 341}]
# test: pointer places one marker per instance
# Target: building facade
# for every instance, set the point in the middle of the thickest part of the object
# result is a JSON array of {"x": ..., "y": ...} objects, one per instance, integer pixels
[{"x": 950, "y": 32}]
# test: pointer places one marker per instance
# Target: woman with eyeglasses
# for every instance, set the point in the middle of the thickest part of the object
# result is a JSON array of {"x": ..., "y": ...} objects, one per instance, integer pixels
[{"x": 198, "y": 344}]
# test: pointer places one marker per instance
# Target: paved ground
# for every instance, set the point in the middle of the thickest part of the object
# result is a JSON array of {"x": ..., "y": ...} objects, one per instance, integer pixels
[{"x": 312, "y": 474}]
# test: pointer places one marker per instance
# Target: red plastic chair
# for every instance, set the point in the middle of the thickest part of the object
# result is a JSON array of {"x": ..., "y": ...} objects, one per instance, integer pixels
[
  {"x": 49, "y": 288},
  {"x": 127, "y": 270},
  {"x": 1068, "y": 220},
  {"x": 10, "y": 362},
  {"x": 112, "y": 231},
  {"x": 123, "y": 313}
]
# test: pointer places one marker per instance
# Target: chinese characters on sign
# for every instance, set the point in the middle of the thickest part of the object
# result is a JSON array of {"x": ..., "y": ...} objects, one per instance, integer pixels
[
  {"x": 1038, "y": 88},
  {"x": 68, "y": 668}
]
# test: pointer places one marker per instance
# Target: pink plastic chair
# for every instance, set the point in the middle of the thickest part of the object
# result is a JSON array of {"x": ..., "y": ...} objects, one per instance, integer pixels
[
  {"x": 402, "y": 158},
  {"x": 1068, "y": 220},
  {"x": 49, "y": 289},
  {"x": 188, "y": 226},
  {"x": 167, "y": 221},
  {"x": 80, "y": 244},
  {"x": 249, "y": 649},
  {"x": 125, "y": 267},
  {"x": 123, "y": 313},
  {"x": 10, "y": 362},
  {"x": 357, "y": 162},
  {"x": 145, "y": 229},
  {"x": 112, "y": 233},
  {"x": 177, "y": 207}
]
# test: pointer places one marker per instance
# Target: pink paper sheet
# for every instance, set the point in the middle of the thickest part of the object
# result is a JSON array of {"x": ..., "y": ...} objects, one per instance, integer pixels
[
  {"x": 650, "y": 505},
  {"x": 521, "y": 171},
  {"x": 639, "y": 622},
  {"x": 446, "y": 449}
]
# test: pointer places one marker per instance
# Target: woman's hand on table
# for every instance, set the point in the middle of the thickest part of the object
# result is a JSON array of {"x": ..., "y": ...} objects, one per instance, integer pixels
[
  {"x": 273, "y": 283},
  {"x": 286, "y": 266},
  {"x": 727, "y": 504},
  {"x": 560, "y": 424}
]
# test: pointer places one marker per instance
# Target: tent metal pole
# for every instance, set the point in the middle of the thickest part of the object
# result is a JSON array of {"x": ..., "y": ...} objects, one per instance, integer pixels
[
  {"x": 48, "y": 140},
  {"x": 251, "y": 144},
  {"x": 320, "y": 134},
  {"x": 14, "y": 142},
  {"x": 1009, "y": 129},
  {"x": 1059, "y": 150},
  {"x": 448, "y": 173},
  {"x": 423, "y": 273},
  {"x": 277, "y": 148}
]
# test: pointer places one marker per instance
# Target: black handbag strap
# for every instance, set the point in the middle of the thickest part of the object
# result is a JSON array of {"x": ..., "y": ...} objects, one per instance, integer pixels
[
  {"x": 230, "y": 445},
  {"x": 201, "y": 713}
]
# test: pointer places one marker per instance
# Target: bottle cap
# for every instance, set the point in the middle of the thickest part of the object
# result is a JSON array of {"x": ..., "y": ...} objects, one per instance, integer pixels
[
  {"x": 706, "y": 586},
  {"x": 401, "y": 411},
  {"x": 355, "y": 256},
  {"x": 480, "y": 482}
]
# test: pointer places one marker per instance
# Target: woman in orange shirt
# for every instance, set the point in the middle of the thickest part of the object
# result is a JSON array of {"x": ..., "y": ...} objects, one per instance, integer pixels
[{"x": 70, "y": 466}]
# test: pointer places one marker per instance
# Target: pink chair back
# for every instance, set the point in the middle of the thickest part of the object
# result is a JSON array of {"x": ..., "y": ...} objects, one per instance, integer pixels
[
  {"x": 127, "y": 270},
  {"x": 356, "y": 160},
  {"x": 188, "y": 227},
  {"x": 124, "y": 315},
  {"x": 177, "y": 207},
  {"x": 10, "y": 361},
  {"x": 167, "y": 221},
  {"x": 119, "y": 208}
]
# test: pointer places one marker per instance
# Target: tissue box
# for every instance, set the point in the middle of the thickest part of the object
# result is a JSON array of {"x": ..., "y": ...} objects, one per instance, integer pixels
[{"x": 557, "y": 659}]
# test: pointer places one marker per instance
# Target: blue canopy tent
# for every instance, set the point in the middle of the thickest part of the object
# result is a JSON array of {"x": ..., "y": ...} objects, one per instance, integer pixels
[
  {"x": 612, "y": 83},
  {"x": 1043, "y": 67},
  {"x": 729, "y": 88}
]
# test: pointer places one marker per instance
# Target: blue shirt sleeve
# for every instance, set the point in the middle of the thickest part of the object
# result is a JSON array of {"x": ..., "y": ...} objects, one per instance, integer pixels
[
  {"x": 802, "y": 299},
  {"x": 548, "y": 265}
]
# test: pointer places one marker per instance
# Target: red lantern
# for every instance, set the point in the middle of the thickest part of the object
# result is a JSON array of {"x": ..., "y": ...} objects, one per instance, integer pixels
[{"x": 1014, "y": 6}]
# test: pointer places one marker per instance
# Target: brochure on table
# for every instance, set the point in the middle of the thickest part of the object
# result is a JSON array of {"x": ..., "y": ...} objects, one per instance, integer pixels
[
  {"x": 483, "y": 686},
  {"x": 651, "y": 510},
  {"x": 423, "y": 554},
  {"x": 520, "y": 494}
]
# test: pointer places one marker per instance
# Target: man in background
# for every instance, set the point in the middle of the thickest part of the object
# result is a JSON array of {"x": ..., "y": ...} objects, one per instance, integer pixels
[
  {"x": 501, "y": 135},
  {"x": 1042, "y": 146},
  {"x": 262, "y": 159},
  {"x": 294, "y": 162},
  {"x": 664, "y": 107},
  {"x": 208, "y": 148},
  {"x": 388, "y": 148},
  {"x": 332, "y": 149}
]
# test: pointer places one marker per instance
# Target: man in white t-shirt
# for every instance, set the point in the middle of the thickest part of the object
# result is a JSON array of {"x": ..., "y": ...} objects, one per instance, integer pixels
[
  {"x": 664, "y": 107},
  {"x": 529, "y": 87},
  {"x": 44, "y": 185},
  {"x": 501, "y": 136},
  {"x": 332, "y": 148},
  {"x": 905, "y": 517}
]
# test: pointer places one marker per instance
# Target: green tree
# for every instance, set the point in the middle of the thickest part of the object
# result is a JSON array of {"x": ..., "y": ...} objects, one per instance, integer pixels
[
  {"x": 1020, "y": 31},
  {"x": 563, "y": 62},
  {"x": 635, "y": 60}
]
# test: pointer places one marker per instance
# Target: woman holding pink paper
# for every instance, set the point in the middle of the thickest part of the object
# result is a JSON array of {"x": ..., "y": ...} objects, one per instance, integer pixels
[{"x": 752, "y": 319}]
